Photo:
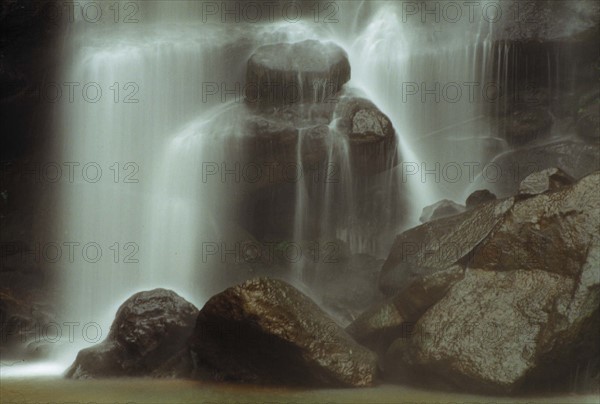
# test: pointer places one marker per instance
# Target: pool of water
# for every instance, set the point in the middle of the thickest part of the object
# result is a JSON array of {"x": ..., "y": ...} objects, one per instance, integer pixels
[{"x": 144, "y": 390}]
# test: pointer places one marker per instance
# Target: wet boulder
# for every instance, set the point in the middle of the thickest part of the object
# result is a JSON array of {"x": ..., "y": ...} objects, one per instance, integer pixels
[
  {"x": 377, "y": 327},
  {"x": 435, "y": 246},
  {"x": 438, "y": 210},
  {"x": 550, "y": 232},
  {"x": 370, "y": 133},
  {"x": 266, "y": 331},
  {"x": 290, "y": 73},
  {"x": 526, "y": 314},
  {"x": 149, "y": 329},
  {"x": 504, "y": 332},
  {"x": 479, "y": 197},
  {"x": 545, "y": 180}
]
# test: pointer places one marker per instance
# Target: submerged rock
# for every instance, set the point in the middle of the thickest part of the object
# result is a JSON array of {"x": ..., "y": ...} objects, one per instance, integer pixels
[
  {"x": 149, "y": 328},
  {"x": 291, "y": 73},
  {"x": 266, "y": 331}
]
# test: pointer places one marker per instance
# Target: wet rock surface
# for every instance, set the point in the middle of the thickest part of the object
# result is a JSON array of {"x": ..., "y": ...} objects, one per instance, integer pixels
[
  {"x": 290, "y": 73},
  {"x": 437, "y": 245},
  {"x": 148, "y": 330},
  {"x": 479, "y": 197},
  {"x": 524, "y": 315},
  {"x": 265, "y": 331}
]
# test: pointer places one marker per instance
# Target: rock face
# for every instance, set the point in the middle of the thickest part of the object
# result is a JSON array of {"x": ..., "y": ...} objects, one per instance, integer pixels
[
  {"x": 438, "y": 210},
  {"x": 479, "y": 197},
  {"x": 545, "y": 180},
  {"x": 149, "y": 328},
  {"x": 551, "y": 232},
  {"x": 265, "y": 331},
  {"x": 377, "y": 327},
  {"x": 437, "y": 245},
  {"x": 284, "y": 73},
  {"x": 526, "y": 315},
  {"x": 370, "y": 133}
]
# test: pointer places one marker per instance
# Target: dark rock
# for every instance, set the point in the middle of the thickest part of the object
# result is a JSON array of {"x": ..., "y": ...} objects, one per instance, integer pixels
[
  {"x": 302, "y": 72},
  {"x": 435, "y": 246},
  {"x": 438, "y": 210},
  {"x": 24, "y": 312},
  {"x": 377, "y": 327},
  {"x": 370, "y": 132},
  {"x": 493, "y": 331},
  {"x": 479, "y": 197},
  {"x": 265, "y": 331},
  {"x": 549, "y": 232},
  {"x": 546, "y": 180},
  {"x": 149, "y": 328},
  {"x": 526, "y": 314}
]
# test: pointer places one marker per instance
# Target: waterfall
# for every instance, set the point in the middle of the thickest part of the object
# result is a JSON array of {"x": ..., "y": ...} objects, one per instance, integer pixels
[{"x": 143, "y": 212}]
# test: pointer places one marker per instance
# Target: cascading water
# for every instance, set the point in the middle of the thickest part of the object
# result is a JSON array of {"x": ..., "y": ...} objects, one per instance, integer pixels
[{"x": 153, "y": 130}]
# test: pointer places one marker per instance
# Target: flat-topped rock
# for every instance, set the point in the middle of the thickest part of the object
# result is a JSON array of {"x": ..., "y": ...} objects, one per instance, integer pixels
[{"x": 290, "y": 73}]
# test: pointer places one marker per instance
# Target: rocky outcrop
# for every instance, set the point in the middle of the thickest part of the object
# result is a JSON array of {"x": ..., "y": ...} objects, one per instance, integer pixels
[
  {"x": 526, "y": 314},
  {"x": 490, "y": 330},
  {"x": 266, "y": 331},
  {"x": 292, "y": 73},
  {"x": 437, "y": 245},
  {"x": 148, "y": 330},
  {"x": 438, "y": 210},
  {"x": 550, "y": 232},
  {"x": 377, "y": 327}
]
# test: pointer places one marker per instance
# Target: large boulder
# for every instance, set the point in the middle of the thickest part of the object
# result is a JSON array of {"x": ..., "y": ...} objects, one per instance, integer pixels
[
  {"x": 377, "y": 327},
  {"x": 149, "y": 328},
  {"x": 266, "y": 331},
  {"x": 551, "y": 232},
  {"x": 525, "y": 315},
  {"x": 437, "y": 245},
  {"x": 370, "y": 134},
  {"x": 289, "y": 73}
]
